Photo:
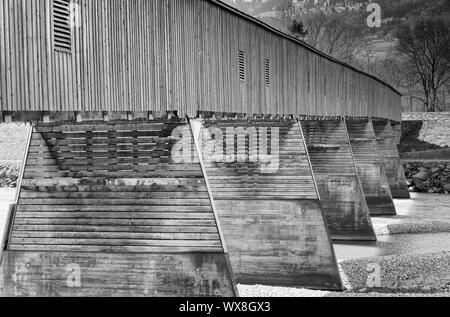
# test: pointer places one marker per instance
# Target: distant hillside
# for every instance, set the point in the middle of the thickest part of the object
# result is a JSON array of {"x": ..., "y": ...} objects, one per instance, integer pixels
[
  {"x": 394, "y": 13},
  {"x": 396, "y": 9}
]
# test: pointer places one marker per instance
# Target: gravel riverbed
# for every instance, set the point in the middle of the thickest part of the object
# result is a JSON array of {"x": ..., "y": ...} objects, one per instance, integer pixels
[
  {"x": 268, "y": 292},
  {"x": 426, "y": 275}
]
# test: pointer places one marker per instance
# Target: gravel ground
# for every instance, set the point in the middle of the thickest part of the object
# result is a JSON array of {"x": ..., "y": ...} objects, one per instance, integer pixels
[
  {"x": 415, "y": 228},
  {"x": 13, "y": 139},
  {"x": 400, "y": 276},
  {"x": 418, "y": 273},
  {"x": 265, "y": 291}
]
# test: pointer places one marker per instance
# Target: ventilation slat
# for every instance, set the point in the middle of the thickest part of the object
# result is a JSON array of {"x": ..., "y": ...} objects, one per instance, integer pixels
[
  {"x": 62, "y": 35},
  {"x": 241, "y": 62},
  {"x": 267, "y": 72},
  {"x": 308, "y": 82}
]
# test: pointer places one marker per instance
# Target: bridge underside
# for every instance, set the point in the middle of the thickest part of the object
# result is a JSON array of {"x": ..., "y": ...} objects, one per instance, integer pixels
[{"x": 163, "y": 203}]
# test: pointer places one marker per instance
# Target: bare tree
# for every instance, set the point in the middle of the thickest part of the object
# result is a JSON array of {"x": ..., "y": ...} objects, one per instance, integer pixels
[
  {"x": 285, "y": 14},
  {"x": 297, "y": 30},
  {"x": 340, "y": 36},
  {"x": 397, "y": 73},
  {"x": 426, "y": 48}
]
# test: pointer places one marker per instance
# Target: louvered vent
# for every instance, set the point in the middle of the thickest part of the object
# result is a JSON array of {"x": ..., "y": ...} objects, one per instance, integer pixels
[
  {"x": 308, "y": 82},
  {"x": 62, "y": 35},
  {"x": 267, "y": 72},
  {"x": 241, "y": 62}
]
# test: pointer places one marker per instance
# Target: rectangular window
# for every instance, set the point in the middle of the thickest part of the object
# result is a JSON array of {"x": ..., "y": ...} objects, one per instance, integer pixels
[
  {"x": 62, "y": 34},
  {"x": 267, "y": 72},
  {"x": 241, "y": 65}
]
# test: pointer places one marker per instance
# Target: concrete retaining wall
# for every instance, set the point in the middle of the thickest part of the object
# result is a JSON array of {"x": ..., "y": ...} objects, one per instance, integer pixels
[{"x": 435, "y": 128}]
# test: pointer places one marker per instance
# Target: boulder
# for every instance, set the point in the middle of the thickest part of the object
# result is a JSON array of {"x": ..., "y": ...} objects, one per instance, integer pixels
[
  {"x": 421, "y": 188},
  {"x": 435, "y": 171},
  {"x": 422, "y": 176}
]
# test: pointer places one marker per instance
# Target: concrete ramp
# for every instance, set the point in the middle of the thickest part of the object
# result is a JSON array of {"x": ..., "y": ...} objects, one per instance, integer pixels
[
  {"x": 370, "y": 168},
  {"x": 264, "y": 192},
  {"x": 341, "y": 193},
  {"x": 387, "y": 143},
  {"x": 114, "y": 209}
]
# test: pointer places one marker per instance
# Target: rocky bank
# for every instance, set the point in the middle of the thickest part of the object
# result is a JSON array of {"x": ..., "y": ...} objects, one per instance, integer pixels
[
  {"x": 428, "y": 177},
  {"x": 9, "y": 173}
]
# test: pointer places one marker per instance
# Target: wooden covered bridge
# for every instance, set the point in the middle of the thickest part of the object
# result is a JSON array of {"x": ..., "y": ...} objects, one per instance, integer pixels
[{"x": 178, "y": 147}]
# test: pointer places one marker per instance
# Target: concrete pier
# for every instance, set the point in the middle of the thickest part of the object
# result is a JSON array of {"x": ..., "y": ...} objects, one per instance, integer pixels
[
  {"x": 387, "y": 143},
  {"x": 114, "y": 209},
  {"x": 341, "y": 193},
  {"x": 370, "y": 167},
  {"x": 268, "y": 205}
]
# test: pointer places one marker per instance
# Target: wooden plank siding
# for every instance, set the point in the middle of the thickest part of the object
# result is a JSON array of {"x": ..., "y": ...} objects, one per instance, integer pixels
[{"x": 173, "y": 55}]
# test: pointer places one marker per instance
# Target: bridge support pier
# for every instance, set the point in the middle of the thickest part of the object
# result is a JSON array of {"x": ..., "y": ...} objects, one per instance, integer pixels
[
  {"x": 341, "y": 193},
  {"x": 265, "y": 195},
  {"x": 370, "y": 168},
  {"x": 387, "y": 143},
  {"x": 114, "y": 209}
]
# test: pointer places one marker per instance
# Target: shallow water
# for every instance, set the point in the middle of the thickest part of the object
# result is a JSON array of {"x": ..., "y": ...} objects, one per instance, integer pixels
[
  {"x": 394, "y": 245},
  {"x": 429, "y": 206},
  {"x": 422, "y": 207}
]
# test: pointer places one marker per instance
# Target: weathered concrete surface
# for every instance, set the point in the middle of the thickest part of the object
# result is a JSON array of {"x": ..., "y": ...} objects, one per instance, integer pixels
[
  {"x": 270, "y": 215},
  {"x": 370, "y": 168},
  {"x": 387, "y": 143},
  {"x": 341, "y": 193},
  {"x": 139, "y": 222},
  {"x": 278, "y": 243},
  {"x": 53, "y": 274}
]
